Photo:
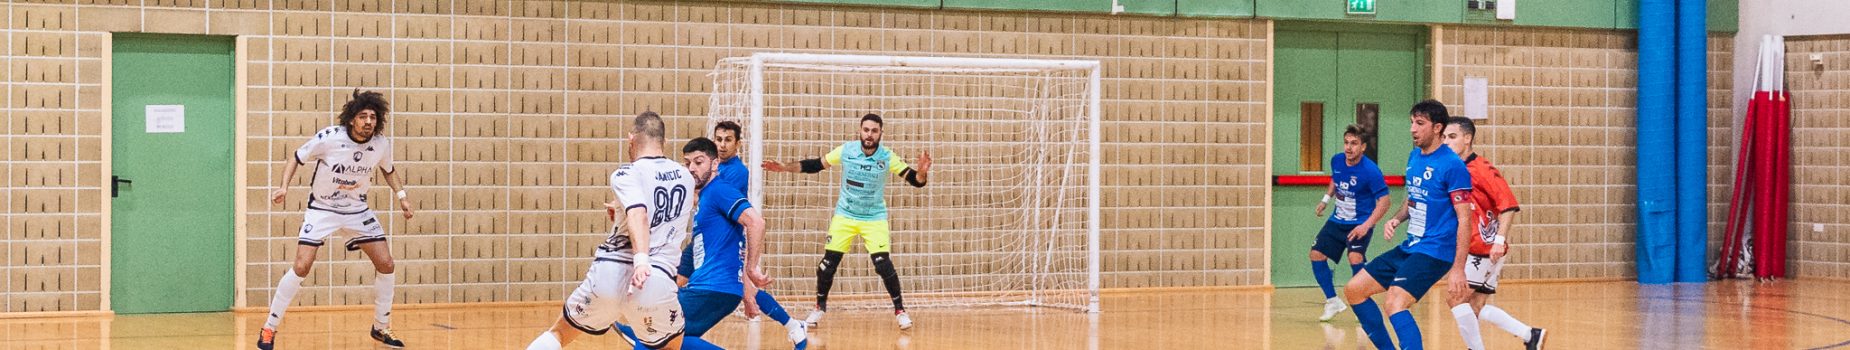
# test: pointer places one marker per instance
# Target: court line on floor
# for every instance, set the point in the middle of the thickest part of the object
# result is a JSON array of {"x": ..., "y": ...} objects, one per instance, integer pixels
[{"x": 1827, "y": 317}]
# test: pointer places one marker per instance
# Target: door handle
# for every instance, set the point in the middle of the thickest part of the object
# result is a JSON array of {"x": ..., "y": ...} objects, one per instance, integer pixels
[{"x": 115, "y": 185}]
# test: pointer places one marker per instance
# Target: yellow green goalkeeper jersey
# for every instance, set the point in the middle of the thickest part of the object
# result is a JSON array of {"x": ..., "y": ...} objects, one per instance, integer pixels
[{"x": 863, "y": 190}]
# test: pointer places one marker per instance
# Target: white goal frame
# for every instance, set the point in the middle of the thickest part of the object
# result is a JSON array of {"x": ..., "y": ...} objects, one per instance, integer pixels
[{"x": 756, "y": 114}]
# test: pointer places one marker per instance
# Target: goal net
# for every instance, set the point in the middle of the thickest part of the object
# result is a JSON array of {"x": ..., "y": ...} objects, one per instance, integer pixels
[{"x": 1010, "y": 216}]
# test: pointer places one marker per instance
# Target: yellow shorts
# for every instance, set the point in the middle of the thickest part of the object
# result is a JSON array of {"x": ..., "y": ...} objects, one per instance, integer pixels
[{"x": 874, "y": 235}]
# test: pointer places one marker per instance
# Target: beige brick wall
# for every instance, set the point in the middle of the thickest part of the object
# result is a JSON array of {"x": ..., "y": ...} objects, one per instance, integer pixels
[
  {"x": 1562, "y": 128},
  {"x": 507, "y": 116},
  {"x": 52, "y": 247},
  {"x": 1820, "y": 191}
]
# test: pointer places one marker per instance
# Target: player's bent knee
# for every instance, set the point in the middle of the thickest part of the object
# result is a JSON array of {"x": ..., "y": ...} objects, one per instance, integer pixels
[
  {"x": 302, "y": 266},
  {"x": 1398, "y": 300},
  {"x": 385, "y": 266},
  {"x": 1355, "y": 259},
  {"x": 1359, "y": 288},
  {"x": 1317, "y": 256}
]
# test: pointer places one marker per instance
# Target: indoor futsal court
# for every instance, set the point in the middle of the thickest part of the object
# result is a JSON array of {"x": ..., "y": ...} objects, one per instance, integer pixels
[{"x": 925, "y": 174}]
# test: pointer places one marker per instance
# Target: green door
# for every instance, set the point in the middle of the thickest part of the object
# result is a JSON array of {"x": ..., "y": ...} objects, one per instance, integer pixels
[
  {"x": 171, "y": 227},
  {"x": 1327, "y": 76}
]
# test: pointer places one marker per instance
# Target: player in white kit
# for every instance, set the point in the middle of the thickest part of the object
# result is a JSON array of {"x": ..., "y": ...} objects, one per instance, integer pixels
[
  {"x": 632, "y": 279},
  {"x": 345, "y": 157}
]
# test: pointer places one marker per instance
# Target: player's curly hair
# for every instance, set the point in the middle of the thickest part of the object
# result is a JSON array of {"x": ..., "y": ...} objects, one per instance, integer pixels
[{"x": 364, "y": 100}]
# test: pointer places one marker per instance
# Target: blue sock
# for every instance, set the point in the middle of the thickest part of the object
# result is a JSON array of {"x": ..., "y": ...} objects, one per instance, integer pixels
[
  {"x": 1408, "y": 330},
  {"x": 1321, "y": 269},
  {"x": 770, "y": 307},
  {"x": 1369, "y": 316},
  {"x": 695, "y": 343},
  {"x": 1356, "y": 268}
]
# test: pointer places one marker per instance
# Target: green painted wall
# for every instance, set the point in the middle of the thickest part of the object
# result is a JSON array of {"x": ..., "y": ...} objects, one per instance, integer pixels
[
  {"x": 1214, "y": 8},
  {"x": 890, "y": 3},
  {"x": 1340, "y": 64},
  {"x": 1413, "y": 11},
  {"x": 1143, "y": 7},
  {"x": 1603, "y": 14},
  {"x": 171, "y": 230}
]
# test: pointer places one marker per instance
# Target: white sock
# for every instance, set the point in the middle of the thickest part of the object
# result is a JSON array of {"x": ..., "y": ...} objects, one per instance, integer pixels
[
  {"x": 546, "y": 341},
  {"x": 382, "y": 299},
  {"x": 279, "y": 302},
  {"x": 1467, "y": 326},
  {"x": 1501, "y": 319}
]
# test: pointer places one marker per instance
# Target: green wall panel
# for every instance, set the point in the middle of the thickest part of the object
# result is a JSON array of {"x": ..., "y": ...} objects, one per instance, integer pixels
[
  {"x": 887, "y": 3},
  {"x": 1565, "y": 13},
  {"x": 1214, "y": 8},
  {"x": 1724, "y": 15},
  {"x": 172, "y": 240},
  {"x": 1145, "y": 7},
  {"x": 1625, "y": 14},
  {"x": 1422, "y": 11},
  {"x": 1340, "y": 64}
]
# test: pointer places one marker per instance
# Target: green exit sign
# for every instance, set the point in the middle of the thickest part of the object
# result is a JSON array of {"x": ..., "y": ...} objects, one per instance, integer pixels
[{"x": 1361, "y": 7}]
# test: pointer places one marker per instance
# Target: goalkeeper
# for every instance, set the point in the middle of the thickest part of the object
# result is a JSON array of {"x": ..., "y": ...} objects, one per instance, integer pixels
[{"x": 861, "y": 209}]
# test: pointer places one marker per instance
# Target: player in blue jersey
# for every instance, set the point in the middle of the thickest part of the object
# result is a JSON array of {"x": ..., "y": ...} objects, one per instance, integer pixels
[
  {"x": 725, "y": 222},
  {"x": 732, "y": 172},
  {"x": 1361, "y": 196},
  {"x": 861, "y": 209},
  {"x": 1438, "y": 208}
]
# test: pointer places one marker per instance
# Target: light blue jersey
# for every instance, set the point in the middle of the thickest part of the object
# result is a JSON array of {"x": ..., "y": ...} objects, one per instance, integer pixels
[{"x": 863, "y": 190}]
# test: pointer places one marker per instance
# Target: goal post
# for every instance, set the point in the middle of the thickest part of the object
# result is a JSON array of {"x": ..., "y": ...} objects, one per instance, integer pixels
[{"x": 1010, "y": 216}]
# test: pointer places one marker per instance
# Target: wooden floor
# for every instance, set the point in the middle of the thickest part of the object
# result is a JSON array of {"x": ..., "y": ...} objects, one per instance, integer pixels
[{"x": 1607, "y": 315}]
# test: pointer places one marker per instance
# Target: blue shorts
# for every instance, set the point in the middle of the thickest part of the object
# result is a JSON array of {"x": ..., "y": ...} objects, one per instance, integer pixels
[
  {"x": 1414, "y": 273},
  {"x": 1333, "y": 240},
  {"x": 706, "y": 308}
]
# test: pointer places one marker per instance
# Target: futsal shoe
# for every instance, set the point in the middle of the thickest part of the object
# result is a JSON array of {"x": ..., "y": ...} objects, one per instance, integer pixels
[
  {"x": 266, "y": 339},
  {"x": 1332, "y": 307},
  {"x": 384, "y": 336},
  {"x": 799, "y": 331},
  {"x": 1536, "y": 335},
  {"x": 815, "y": 318}
]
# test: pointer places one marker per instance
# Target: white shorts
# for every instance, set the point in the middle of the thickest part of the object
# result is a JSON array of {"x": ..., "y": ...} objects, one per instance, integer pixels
[
  {"x": 1481, "y": 273},
  {"x": 605, "y": 298},
  {"x": 318, "y": 224}
]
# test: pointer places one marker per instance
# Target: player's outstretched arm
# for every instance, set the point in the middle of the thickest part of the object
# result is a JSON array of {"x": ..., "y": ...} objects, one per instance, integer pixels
[
  {"x": 1327, "y": 191},
  {"x": 1504, "y": 221},
  {"x": 754, "y": 247},
  {"x": 282, "y": 183},
  {"x": 806, "y": 166},
  {"x": 398, "y": 190},
  {"x": 1381, "y": 208},
  {"x": 636, "y": 222},
  {"x": 1464, "y": 211},
  {"x": 1399, "y": 217}
]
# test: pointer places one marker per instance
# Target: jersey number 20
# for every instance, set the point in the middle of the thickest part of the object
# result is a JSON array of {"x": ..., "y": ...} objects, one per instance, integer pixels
[{"x": 668, "y": 204}]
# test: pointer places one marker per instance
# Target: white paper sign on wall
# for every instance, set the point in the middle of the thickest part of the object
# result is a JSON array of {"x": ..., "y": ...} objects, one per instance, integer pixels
[
  {"x": 1477, "y": 97},
  {"x": 166, "y": 119}
]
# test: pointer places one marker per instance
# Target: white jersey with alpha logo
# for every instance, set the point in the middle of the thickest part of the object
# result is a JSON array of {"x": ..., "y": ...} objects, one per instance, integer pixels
[
  {"x": 343, "y": 168},
  {"x": 666, "y": 190}
]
